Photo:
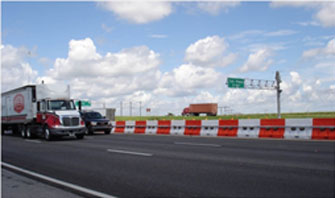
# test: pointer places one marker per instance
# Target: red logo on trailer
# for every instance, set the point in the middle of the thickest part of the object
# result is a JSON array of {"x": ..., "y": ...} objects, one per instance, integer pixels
[{"x": 18, "y": 103}]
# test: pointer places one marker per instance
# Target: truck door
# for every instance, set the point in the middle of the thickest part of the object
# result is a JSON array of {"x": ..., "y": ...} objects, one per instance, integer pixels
[{"x": 41, "y": 110}]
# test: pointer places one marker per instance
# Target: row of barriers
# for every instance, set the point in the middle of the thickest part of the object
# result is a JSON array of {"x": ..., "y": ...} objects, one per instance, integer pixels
[{"x": 317, "y": 128}]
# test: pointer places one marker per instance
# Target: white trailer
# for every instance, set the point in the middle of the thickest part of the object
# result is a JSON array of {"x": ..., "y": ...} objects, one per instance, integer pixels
[{"x": 41, "y": 110}]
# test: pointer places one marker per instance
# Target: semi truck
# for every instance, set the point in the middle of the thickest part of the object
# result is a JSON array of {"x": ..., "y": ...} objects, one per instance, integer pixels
[
  {"x": 41, "y": 110},
  {"x": 209, "y": 109}
]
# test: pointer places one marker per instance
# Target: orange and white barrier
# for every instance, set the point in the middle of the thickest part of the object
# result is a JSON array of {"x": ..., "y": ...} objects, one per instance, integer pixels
[
  {"x": 130, "y": 127},
  {"x": 164, "y": 127},
  {"x": 151, "y": 127},
  {"x": 248, "y": 128},
  {"x": 318, "y": 128},
  {"x": 177, "y": 127},
  {"x": 324, "y": 129},
  {"x": 228, "y": 128},
  {"x": 209, "y": 128},
  {"x": 119, "y": 127},
  {"x": 298, "y": 128}
]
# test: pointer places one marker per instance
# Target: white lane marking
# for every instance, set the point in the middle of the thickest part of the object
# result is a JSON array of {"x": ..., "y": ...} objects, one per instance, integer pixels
[
  {"x": 130, "y": 152},
  {"x": 58, "y": 182},
  {"x": 34, "y": 141},
  {"x": 197, "y": 144}
]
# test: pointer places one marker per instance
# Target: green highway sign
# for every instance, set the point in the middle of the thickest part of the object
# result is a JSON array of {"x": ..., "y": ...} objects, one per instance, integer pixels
[
  {"x": 84, "y": 103},
  {"x": 235, "y": 82}
]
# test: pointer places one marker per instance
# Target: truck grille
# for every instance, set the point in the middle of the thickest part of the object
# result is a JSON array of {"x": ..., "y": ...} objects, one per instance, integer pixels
[{"x": 70, "y": 121}]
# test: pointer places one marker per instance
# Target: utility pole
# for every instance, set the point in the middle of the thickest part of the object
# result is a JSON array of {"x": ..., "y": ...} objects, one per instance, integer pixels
[
  {"x": 130, "y": 109},
  {"x": 120, "y": 108},
  {"x": 278, "y": 80},
  {"x": 140, "y": 108}
]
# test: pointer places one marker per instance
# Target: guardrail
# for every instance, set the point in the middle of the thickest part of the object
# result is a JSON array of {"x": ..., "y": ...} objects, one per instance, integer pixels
[{"x": 317, "y": 128}]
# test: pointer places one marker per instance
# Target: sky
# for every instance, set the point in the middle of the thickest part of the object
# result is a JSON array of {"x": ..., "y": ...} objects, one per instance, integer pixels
[{"x": 165, "y": 55}]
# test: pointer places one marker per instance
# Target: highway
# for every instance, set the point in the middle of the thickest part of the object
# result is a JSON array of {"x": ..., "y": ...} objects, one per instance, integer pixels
[{"x": 149, "y": 166}]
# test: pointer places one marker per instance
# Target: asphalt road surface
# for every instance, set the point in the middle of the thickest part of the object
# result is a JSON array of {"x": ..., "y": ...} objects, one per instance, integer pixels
[{"x": 171, "y": 166}]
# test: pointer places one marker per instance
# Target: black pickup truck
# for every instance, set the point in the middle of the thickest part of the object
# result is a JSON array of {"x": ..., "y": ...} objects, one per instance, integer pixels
[{"x": 95, "y": 122}]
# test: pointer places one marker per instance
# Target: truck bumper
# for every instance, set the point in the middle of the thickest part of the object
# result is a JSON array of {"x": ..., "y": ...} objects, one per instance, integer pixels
[
  {"x": 68, "y": 131},
  {"x": 101, "y": 128}
]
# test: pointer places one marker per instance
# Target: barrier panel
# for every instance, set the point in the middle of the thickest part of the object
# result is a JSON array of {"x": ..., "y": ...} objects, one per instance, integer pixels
[
  {"x": 130, "y": 127},
  {"x": 272, "y": 128},
  {"x": 164, "y": 127},
  {"x": 119, "y": 126},
  {"x": 113, "y": 126},
  {"x": 298, "y": 128},
  {"x": 177, "y": 127},
  {"x": 193, "y": 127},
  {"x": 248, "y": 128},
  {"x": 209, "y": 128},
  {"x": 228, "y": 128},
  {"x": 323, "y": 128},
  {"x": 140, "y": 127},
  {"x": 152, "y": 127}
]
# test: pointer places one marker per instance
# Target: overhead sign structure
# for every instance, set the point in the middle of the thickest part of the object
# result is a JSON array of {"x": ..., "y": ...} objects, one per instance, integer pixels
[
  {"x": 84, "y": 103},
  {"x": 258, "y": 84},
  {"x": 235, "y": 82}
]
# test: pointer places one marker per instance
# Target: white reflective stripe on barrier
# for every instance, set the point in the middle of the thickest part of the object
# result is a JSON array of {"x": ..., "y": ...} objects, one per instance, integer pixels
[
  {"x": 209, "y": 128},
  {"x": 130, "y": 127},
  {"x": 248, "y": 128},
  {"x": 298, "y": 128},
  {"x": 114, "y": 125},
  {"x": 152, "y": 126},
  {"x": 177, "y": 127}
]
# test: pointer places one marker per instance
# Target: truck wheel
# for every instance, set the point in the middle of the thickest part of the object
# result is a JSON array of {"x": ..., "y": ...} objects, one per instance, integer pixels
[
  {"x": 80, "y": 136},
  {"x": 107, "y": 131},
  {"x": 87, "y": 131},
  {"x": 29, "y": 135},
  {"x": 47, "y": 135},
  {"x": 23, "y": 132}
]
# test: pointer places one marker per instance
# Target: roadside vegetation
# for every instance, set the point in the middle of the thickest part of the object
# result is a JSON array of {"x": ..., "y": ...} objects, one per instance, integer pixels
[{"x": 229, "y": 117}]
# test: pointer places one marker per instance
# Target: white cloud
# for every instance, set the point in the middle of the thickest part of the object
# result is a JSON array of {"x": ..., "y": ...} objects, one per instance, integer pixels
[
  {"x": 15, "y": 70},
  {"x": 186, "y": 80},
  {"x": 114, "y": 74},
  {"x": 328, "y": 50},
  {"x": 215, "y": 8},
  {"x": 209, "y": 52},
  {"x": 258, "y": 61},
  {"x": 325, "y": 11},
  {"x": 326, "y": 15},
  {"x": 280, "y": 33},
  {"x": 139, "y": 12},
  {"x": 295, "y": 77}
]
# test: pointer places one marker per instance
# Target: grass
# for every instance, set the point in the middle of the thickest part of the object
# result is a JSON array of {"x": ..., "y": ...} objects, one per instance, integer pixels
[{"x": 229, "y": 117}]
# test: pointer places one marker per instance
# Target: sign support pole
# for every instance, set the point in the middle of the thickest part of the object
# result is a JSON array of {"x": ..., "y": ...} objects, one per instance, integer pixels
[{"x": 278, "y": 80}]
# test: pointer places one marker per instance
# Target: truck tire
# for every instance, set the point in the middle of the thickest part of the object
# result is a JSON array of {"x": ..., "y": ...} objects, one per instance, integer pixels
[
  {"x": 107, "y": 132},
  {"x": 23, "y": 131},
  {"x": 47, "y": 135},
  {"x": 29, "y": 135}
]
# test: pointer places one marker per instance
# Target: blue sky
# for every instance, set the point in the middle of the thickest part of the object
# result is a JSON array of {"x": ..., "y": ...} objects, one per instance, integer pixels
[{"x": 169, "y": 54}]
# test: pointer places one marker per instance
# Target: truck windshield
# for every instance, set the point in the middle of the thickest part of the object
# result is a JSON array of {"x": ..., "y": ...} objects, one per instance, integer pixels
[{"x": 61, "y": 105}]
